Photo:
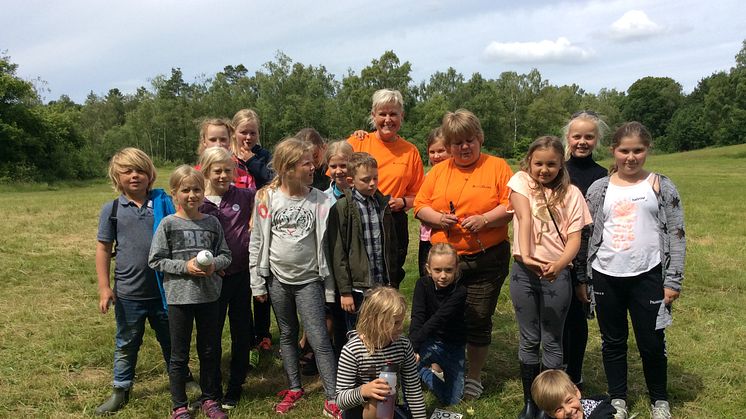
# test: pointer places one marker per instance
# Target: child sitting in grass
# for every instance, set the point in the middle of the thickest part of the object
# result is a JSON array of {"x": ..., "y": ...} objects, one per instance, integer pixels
[{"x": 555, "y": 394}]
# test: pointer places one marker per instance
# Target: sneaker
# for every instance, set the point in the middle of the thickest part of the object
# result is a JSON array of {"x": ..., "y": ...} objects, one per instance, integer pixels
[
  {"x": 331, "y": 410},
  {"x": 232, "y": 396},
  {"x": 289, "y": 398},
  {"x": 265, "y": 344},
  {"x": 621, "y": 409},
  {"x": 212, "y": 410},
  {"x": 440, "y": 375},
  {"x": 181, "y": 413},
  {"x": 254, "y": 359},
  {"x": 660, "y": 410}
]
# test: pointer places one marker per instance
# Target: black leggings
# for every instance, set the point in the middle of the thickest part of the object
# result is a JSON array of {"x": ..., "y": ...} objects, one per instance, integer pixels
[
  {"x": 641, "y": 296},
  {"x": 401, "y": 225}
]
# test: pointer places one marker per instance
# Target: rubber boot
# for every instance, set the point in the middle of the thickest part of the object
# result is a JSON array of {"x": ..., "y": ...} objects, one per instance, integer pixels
[
  {"x": 119, "y": 397},
  {"x": 528, "y": 373}
]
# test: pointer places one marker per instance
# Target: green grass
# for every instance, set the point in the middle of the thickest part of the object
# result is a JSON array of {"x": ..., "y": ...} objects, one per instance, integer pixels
[{"x": 56, "y": 349}]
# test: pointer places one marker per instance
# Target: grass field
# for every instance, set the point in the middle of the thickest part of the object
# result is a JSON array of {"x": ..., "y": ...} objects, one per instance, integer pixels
[{"x": 56, "y": 349}]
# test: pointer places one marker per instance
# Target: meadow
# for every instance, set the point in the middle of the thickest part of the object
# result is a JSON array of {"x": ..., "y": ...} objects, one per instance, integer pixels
[{"x": 56, "y": 348}]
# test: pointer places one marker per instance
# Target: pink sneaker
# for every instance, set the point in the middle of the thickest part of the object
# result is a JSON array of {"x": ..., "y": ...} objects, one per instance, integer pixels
[
  {"x": 289, "y": 398},
  {"x": 212, "y": 410},
  {"x": 331, "y": 410},
  {"x": 181, "y": 413}
]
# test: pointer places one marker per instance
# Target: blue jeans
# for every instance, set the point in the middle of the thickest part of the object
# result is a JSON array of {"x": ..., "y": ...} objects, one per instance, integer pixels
[
  {"x": 450, "y": 357},
  {"x": 130, "y": 316}
]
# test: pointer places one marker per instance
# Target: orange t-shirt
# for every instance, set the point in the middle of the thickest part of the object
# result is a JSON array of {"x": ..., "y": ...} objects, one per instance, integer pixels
[
  {"x": 400, "y": 171},
  {"x": 474, "y": 190}
]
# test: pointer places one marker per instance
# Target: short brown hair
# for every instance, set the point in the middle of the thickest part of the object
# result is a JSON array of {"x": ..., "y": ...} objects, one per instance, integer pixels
[
  {"x": 358, "y": 160},
  {"x": 461, "y": 126},
  {"x": 550, "y": 389}
]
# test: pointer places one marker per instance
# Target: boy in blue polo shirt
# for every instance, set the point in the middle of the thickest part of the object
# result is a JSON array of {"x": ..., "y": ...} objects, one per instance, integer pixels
[{"x": 129, "y": 221}]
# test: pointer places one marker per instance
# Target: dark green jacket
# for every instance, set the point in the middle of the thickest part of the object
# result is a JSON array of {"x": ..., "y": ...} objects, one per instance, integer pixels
[{"x": 348, "y": 259}]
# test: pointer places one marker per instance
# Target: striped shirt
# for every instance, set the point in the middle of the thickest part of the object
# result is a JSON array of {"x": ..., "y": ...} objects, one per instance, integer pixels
[{"x": 357, "y": 367}]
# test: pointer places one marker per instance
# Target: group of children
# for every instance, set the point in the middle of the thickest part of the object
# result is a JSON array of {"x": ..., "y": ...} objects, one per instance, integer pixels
[{"x": 325, "y": 255}]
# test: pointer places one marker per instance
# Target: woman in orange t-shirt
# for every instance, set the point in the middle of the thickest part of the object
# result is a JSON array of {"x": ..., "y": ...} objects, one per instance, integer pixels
[
  {"x": 465, "y": 201},
  {"x": 400, "y": 171}
]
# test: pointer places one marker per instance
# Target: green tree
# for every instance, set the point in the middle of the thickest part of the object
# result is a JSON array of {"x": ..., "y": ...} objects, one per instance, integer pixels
[{"x": 653, "y": 101}]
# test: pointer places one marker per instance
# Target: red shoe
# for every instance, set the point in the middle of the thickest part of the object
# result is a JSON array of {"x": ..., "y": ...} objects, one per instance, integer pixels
[
  {"x": 289, "y": 398},
  {"x": 265, "y": 344},
  {"x": 331, "y": 410}
]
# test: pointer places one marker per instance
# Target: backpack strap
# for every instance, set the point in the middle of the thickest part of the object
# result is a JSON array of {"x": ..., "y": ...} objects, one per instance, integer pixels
[{"x": 113, "y": 221}]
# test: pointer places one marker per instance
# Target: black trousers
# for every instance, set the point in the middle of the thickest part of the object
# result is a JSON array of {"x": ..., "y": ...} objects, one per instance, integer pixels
[
  {"x": 235, "y": 301},
  {"x": 180, "y": 319},
  {"x": 641, "y": 296},
  {"x": 575, "y": 338}
]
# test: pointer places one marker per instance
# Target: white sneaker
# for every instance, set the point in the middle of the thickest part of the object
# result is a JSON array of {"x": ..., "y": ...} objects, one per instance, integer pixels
[
  {"x": 660, "y": 410},
  {"x": 621, "y": 409}
]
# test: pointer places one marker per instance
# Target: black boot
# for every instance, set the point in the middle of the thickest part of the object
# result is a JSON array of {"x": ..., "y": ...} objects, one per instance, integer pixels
[
  {"x": 119, "y": 397},
  {"x": 528, "y": 373}
]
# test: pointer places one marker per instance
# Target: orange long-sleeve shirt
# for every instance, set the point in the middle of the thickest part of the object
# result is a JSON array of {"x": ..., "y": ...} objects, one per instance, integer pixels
[
  {"x": 474, "y": 190},
  {"x": 400, "y": 171}
]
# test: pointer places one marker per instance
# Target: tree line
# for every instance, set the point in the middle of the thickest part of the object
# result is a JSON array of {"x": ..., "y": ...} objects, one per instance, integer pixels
[{"x": 66, "y": 140}]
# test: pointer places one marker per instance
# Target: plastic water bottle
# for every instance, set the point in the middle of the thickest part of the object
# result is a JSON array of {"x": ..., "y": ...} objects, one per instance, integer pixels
[
  {"x": 204, "y": 259},
  {"x": 385, "y": 407}
]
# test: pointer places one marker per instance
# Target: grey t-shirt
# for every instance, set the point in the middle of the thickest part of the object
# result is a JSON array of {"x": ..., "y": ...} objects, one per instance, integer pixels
[
  {"x": 292, "y": 250},
  {"x": 133, "y": 278},
  {"x": 178, "y": 240}
]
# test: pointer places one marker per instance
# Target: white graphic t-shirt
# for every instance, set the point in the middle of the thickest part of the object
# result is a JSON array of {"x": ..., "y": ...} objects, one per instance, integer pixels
[
  {"x": 630, "y": 242},
  {"x": 292, "y": 250}
]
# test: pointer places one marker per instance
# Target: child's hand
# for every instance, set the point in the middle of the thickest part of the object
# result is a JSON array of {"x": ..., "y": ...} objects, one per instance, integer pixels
[
  {"x": 551, "y": 270},
  {"x": 396, "y": 204},
  {"x": 360, "y": 134},
  {"x": 105, "y": 299},
  {"x": 581, "y": 292},
  {"x": 347, "y": 303},
  {"x": 669, "y": 295},
  {"x": 261, "y": 298},
  {"x": 377, "y": 389},
  {"x": 533, "y": 265},
  {"x": 193, "y": 268}
]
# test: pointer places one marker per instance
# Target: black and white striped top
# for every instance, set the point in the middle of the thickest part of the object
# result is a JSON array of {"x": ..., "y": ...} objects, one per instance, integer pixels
[{"x": 357, "y": 367}]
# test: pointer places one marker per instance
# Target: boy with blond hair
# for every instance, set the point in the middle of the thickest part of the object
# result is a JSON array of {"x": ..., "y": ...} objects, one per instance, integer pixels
[
  {"x": 126, "y": 225},
  {"x": 361, "y": 236},
  {"x": 555, "y": 394}
]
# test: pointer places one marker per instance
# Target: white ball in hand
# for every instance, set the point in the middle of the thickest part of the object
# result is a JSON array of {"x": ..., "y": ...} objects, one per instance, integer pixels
[{"x": 204, "y": 258}]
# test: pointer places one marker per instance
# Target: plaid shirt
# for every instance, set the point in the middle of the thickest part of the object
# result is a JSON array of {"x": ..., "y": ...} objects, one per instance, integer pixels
[{"x": 371, "y": 216}]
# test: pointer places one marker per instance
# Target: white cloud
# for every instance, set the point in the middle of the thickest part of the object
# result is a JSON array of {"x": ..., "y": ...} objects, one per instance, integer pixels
[
  {"x": 546, "y": 51},
  {"x": 635, "y": 25}
]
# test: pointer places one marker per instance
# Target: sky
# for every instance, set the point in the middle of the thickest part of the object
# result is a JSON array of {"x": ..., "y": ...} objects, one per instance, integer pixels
[{"x": 76, "y": 47}]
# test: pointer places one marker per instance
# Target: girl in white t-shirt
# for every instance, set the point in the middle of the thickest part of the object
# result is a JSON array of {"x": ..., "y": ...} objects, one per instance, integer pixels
[
  {"x": 636, "y": 260},
  {"x": 286, "y": 260},
  {"x": 550, "y": 214}
]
